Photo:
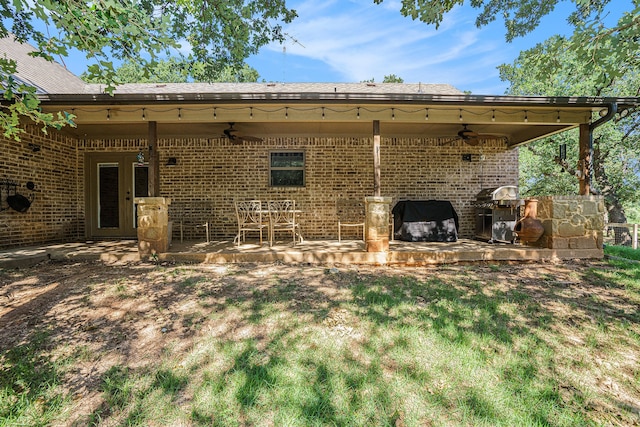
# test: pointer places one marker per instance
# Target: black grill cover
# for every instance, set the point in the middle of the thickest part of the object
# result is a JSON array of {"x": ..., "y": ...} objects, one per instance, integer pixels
[{"x": 425, "y": 221}]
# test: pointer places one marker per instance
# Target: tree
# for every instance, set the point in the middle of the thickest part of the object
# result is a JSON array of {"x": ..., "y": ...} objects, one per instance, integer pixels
[
  {"x": 616, "y": 144},
  {"x": 609, "y": 52},
  {"x": 217, "y": 34},
  {"x": 175, "y": 70},
  {"x": 597, "y": 59},
  {"x": 390, "y": 78}
]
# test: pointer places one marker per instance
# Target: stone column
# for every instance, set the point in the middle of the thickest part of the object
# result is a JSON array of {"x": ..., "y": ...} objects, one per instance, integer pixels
[
  {"x": 377, "y": 223},
  {"x": 153, "y": 225},
  {"x": 572, "y": 222}
]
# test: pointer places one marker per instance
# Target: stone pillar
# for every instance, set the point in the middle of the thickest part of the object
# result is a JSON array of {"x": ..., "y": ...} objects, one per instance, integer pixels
[
  {"x": 377, "y": 223},
  {"x": 572, "y": 222},
  {"x": 153, "y": 225}
]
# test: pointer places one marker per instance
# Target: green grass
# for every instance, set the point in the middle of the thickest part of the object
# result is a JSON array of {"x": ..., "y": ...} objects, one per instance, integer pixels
[
  {"x": 623, "y": 252},
  {"x": 302, "y": 347},
  {"x": 29, "y": 381}
]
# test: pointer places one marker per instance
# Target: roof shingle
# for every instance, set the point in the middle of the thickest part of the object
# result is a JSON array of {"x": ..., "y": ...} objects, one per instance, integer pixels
[{"x": 45, "y": 76}]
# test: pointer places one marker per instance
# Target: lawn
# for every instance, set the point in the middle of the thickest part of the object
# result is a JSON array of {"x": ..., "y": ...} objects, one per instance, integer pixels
[{"x": 301, "y": 345}]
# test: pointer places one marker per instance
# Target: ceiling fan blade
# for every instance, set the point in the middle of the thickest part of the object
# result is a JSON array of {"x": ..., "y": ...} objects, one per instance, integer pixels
[
  {"x": 466, "y": 133},
  {"x": 229, "y": 133}
]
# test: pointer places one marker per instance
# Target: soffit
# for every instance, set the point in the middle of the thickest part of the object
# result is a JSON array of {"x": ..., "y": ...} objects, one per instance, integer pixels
[{"x": 285, "y": 114}]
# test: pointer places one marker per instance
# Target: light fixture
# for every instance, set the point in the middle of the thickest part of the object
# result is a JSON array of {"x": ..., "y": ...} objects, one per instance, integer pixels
[
  {"x": 460, "y": 117},
  {"x": 144, "y": 116},
  {"x": 286, "y": 112},
  {"x": 426, "y": 114},
  {"x": 108, "y": 113},
  {"x": 251, "y": 112},
  {"x": 393, "y": 114},
  {"x": 140, "y": 158},
  {"x": 358, "y": 113},
  {"x": 526, "y": 116},
  {"x": 558, "y": 118},
  {"x": 322, "y": 113},
  {"x": 172, "y": 161},
  {"x": 179, "y": 113},
  {"x": 493, "y": 116},
  {"x": 215, "y": 115}
]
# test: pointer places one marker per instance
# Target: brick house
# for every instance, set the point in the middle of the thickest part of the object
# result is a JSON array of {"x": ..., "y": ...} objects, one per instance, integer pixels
[{"x": 214, "y": 143}]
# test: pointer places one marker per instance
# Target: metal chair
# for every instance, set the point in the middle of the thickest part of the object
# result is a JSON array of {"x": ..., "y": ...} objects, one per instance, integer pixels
[
  {"x": 249, "y": 215},
  {"x": 282, "y": 217},
  {"x": 191, "y": 215},
  {"x": 350, "y": 214}
]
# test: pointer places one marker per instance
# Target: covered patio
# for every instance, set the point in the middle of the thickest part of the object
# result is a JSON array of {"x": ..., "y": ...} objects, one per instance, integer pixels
[{"x": 198, "y": 148}]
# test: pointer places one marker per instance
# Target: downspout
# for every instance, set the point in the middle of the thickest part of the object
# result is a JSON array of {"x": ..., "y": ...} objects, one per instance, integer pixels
[{"x": 587, "y": 157}]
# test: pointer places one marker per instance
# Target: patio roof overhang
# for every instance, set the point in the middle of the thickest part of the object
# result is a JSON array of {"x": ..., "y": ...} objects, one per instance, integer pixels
[{"x": 279, "y": 113}]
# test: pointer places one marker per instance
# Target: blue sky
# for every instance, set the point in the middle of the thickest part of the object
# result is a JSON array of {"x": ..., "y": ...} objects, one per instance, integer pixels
[{"x": 356, "y": 40}]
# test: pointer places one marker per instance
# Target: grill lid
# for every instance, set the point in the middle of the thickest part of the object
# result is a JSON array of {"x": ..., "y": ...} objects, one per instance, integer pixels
[{"x": 499, "y": 194}]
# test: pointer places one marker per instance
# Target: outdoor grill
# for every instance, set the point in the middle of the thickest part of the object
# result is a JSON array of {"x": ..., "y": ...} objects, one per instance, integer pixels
[{"x": 496, "y": 212}]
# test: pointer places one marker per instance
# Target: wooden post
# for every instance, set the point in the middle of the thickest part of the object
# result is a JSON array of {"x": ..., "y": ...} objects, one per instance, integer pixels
[
  {"x": 376, "y": 158},
  {"x": 585, "y": 160},
  {"x": 154, "y": 161}
]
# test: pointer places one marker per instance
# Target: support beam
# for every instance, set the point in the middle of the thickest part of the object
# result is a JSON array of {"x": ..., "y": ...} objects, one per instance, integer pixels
[
  {"x": 585, "y": 160},
  {"x": 154, "y": 161},
  {"x": 376, "y": 158}
]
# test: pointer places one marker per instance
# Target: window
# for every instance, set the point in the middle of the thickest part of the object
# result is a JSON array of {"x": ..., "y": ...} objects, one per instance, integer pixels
[{"x": 286, "y": 169}]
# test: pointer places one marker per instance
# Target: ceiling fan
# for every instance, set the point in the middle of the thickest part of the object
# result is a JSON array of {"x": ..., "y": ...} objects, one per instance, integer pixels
[
  {"x": 233, "y": 135},
  {"x": 472, "y": 138}
]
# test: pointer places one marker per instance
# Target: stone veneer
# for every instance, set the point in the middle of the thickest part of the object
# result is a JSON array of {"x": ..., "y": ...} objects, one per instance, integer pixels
[
  {"x": 154, "y": 233},
  {"x": 571, "y": 222}
]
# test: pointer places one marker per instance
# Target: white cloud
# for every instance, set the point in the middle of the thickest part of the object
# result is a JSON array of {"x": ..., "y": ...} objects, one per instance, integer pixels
[
  {"x": 361, "y": 40},
  {"x": 355, "y": 40}
]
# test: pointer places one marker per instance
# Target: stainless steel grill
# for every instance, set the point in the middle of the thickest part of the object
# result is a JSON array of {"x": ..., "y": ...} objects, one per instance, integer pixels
[{"x": 497, "y": 213}]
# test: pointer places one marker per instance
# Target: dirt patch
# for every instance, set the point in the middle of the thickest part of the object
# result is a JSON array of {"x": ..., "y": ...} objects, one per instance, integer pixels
[{"x": 101, "y": 316}]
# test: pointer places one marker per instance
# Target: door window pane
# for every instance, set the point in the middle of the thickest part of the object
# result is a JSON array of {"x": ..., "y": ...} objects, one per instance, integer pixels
[
  {"x": 108, "y": 203},
  {"x": 141, "y": 181},
  {"x": 140, "y": 188}
]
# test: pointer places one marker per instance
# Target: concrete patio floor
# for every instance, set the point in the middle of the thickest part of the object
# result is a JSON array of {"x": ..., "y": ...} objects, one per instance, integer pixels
[{"x": 309, "y": 251}]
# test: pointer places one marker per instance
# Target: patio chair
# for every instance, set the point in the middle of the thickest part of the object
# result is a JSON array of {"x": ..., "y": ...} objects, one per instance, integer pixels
[
  {"x": 249, "y": 214},
  {"x": 189, "y": 216},
  {"x": 282, "y": 217},
  {"x": 350, "y": 213}
]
